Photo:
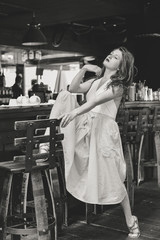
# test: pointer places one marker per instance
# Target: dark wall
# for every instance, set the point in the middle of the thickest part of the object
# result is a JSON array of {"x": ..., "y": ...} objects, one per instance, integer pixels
[{"x": 147, "y": 60}]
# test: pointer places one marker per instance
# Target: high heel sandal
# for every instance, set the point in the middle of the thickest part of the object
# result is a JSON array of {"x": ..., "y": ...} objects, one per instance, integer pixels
[{"x": 134, "y": 227}]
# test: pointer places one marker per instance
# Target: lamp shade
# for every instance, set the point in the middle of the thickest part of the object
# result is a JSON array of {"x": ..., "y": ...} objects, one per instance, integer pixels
[{"x": 34, "y": 35}]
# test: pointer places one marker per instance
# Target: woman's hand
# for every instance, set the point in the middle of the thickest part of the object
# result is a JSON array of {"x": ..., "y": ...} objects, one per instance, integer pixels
[
  {"x": 92, "y": 68},
  {"x": 67, "y": 118}
]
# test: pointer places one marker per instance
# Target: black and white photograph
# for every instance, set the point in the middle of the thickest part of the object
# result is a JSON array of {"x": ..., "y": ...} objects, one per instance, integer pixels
[{"x": 79, "y": 119}]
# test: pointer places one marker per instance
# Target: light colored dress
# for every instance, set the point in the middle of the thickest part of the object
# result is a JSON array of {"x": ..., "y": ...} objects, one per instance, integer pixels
[{"x": 95, "y": 168}]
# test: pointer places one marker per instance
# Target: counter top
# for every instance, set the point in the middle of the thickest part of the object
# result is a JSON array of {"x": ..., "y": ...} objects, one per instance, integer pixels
[
  {"x": 25, "y": 106},
  {"x": 48, "y": 106},
  {"x": 6, "y": 109},
  {"x": 142, "y": 104}
]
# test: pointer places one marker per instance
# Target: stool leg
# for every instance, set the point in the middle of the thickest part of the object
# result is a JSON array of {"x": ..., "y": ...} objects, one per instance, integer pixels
[
  {"x": 40, "y": 205},
  {"x": 5, "y": 203},
  {"x": 157, "y": 146},
  {"x": 139, "y": 172},
  {"x": 55, "y": 185},
  {"x": 130, "y": 174},
  {"x": 53, "y": 206},
  {"x": 25, "y": 181},
  {"x": 90, "y": 208},
  {"x": 63, "y": 190}
]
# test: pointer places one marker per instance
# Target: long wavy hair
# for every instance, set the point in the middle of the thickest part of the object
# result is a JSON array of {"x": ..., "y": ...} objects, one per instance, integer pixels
[{"x": 124, "y": 75}]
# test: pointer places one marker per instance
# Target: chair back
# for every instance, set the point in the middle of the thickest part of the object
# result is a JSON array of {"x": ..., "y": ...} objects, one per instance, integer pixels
[
  {"x": 132, "y": 125},
  {"x": 31, "y": 141},
  {"x": 156, "y": 119}
]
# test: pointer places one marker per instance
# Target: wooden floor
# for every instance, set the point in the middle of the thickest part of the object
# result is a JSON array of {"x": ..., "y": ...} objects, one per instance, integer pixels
[{"x": 111, "y": 224}]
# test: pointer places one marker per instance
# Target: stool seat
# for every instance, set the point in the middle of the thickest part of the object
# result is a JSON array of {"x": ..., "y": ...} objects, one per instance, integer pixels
[{"x": 13, "y": 166}]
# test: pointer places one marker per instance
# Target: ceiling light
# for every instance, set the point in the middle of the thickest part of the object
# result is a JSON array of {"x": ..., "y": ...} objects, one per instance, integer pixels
[{"x": 34, "y": 36}]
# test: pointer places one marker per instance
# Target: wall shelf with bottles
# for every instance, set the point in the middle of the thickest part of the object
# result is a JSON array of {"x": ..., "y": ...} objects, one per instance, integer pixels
[{"x": 5, "y": 95}]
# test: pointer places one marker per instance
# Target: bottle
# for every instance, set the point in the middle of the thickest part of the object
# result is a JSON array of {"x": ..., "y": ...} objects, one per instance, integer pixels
[
  {"x": 131, "y": 93},
  {"x": 150, "y": 94},
  {"x": 146, "y": 93}
]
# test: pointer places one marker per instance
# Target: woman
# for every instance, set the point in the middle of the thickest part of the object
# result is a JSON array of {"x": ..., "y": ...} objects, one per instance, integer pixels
[{"x": 95, "y": 168}]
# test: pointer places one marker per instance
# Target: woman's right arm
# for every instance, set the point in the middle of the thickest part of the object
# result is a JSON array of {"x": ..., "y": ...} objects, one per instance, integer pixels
[{"x": 76, "y": 85}]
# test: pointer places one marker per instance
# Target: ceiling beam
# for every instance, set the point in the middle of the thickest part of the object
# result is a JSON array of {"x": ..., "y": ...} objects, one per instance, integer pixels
[
  {"x": 17, "y": 6},
  {"x": 61, "y": 12}
]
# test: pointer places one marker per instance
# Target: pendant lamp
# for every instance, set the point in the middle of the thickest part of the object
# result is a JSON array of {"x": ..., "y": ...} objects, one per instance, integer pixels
[{"x": 34, "y": 36}]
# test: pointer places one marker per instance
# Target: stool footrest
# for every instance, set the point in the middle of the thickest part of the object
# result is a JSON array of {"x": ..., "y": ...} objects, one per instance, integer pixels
[{"x": 28, "y": 231}]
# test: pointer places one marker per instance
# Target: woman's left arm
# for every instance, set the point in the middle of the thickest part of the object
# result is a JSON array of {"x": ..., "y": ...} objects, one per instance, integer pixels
[{"x": 93, "y": 102}]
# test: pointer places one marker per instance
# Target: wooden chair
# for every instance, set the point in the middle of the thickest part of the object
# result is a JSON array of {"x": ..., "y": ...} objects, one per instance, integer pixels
[
  {"x": 41, "y": 172},
  {"x": 89, "y": 208},
  {"x": 156, "y": 130},
  {"x": 145, "y": 150},
  {"x": 152, "y": 127},
  {"x": 132, "y": 135},
  {"x": 61, "y": 177}
]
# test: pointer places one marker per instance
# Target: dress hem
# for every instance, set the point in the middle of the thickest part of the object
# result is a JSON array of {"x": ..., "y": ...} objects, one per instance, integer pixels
[{"x": 97, "y": 203}]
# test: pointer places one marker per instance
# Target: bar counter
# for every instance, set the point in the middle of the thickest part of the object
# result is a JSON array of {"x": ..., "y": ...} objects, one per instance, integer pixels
[
  {"x": 10, "y": 114},
  {"x": 142, "y": 104}
]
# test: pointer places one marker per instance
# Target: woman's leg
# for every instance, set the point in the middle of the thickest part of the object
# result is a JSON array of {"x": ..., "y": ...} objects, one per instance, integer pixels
[
  {"x": 127, "y": 210},
  {"x": 131, "y": 220}
]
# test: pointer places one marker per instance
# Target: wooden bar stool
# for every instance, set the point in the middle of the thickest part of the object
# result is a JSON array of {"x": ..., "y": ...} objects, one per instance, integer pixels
[
  {"x": 40, "y": 175},
  {"x": 62, "y": 195},
  {"x": 132, "y": 136},
  {"x": 153, "y": 127},
  {"x": 156, "y": 130}
]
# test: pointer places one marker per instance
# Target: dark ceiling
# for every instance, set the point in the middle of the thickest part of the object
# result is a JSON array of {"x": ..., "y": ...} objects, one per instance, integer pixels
[{"x": 80, "y": 26}]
